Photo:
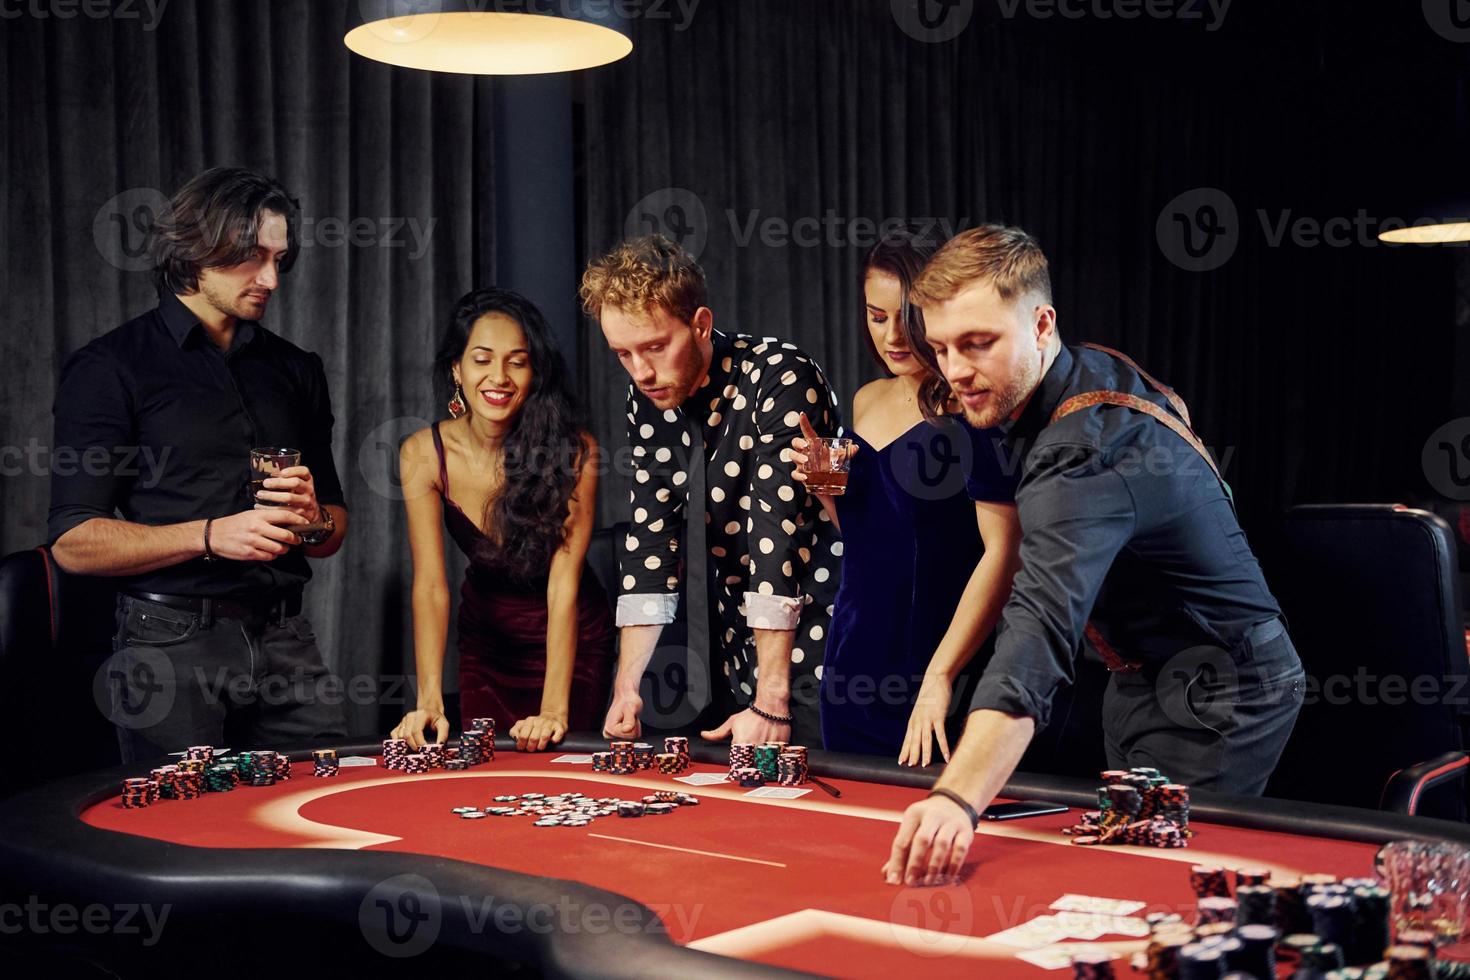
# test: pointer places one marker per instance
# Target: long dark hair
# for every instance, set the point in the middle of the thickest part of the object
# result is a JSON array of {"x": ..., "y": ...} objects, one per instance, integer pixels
[
  {"x": 543, "y": 451},
  {"x": 213, "y": 221},
  {"x": 901, "y": 253}
]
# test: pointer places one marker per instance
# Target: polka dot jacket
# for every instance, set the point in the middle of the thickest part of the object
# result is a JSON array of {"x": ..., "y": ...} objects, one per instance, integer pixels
[{"x": 775, "y": 558}]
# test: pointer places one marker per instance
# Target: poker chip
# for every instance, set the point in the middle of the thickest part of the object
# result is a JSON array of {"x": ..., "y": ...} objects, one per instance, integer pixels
[
  {"x": 749, "y": 776},
  {"x": 138, "y": 793},
  {"x": 324, "y": 763},
  {"x": 416, "y": 763},
  {"x": 456, "y": 765},
  {"x": 630, "y": 809},
  {"x": 220, "y": 778},
  {"x": 659, "y": 809},
  {"x": 742, "y": 756},
  {"x": 395, "y": 754}
]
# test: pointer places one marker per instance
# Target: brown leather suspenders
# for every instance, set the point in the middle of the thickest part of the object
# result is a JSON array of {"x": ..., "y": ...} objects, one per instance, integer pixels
[{"x": 1179, "y": 425}]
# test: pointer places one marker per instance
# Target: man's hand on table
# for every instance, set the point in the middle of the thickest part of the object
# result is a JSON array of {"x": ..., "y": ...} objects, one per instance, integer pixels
[
  {"x": 750, "y": 728},
  {"x": 933, "y": 839},
  {"x": 622, "y": 717}
]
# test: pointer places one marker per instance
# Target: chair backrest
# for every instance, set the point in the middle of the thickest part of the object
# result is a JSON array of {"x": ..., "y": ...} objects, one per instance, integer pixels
[
  {"x": 55, "y": 635},
  {"x": 1372, "y": 596}
]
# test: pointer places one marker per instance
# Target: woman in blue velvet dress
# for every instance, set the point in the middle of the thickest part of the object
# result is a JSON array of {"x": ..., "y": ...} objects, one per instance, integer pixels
[{"x": 929, "y": 535}]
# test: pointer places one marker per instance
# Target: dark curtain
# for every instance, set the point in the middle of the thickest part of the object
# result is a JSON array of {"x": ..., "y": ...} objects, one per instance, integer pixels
[
  {"x": 1320, "y": 370},
  {"x": 97, "y": 108},
  {"x": 1315, "y": 371}
]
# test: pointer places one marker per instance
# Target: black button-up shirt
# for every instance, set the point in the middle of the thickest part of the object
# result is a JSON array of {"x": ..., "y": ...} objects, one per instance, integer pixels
[
  {"x": 155, "y": 423},
  {"x": 1122, "y": 522},
  {"x": 775, "y": 558}
]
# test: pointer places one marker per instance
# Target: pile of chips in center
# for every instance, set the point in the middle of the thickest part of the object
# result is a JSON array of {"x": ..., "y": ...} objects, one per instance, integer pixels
[
  {"x": 576, "y": 809},
  {"x": 1139, "y": 807}
]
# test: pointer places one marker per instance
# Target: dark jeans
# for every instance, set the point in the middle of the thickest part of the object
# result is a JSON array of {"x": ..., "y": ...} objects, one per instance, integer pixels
[
  {"x": 174, "y": 681},
  {"x": 1214, "y": 719}
]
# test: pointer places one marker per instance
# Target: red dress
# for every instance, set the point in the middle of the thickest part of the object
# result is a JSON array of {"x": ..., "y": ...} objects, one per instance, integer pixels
[{"x": 502, "y": 633}]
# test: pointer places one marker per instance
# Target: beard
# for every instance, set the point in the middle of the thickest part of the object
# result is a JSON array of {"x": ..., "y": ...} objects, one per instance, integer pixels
[
  {"x": 238, "y": 306},
  {"x": 679, "y": 387},
  {"x": 1004, "y": 401}
]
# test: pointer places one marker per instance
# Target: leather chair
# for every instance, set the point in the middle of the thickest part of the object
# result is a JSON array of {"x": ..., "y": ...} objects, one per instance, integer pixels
[
  {"x": 1372, "y": 596},
  {"x": 55, "y": 635}
]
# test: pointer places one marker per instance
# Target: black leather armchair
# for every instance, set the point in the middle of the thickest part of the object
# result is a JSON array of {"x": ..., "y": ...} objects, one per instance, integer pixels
[
  {"x": 55, "y": 635},
  {"x": 1372, "y": 596}
]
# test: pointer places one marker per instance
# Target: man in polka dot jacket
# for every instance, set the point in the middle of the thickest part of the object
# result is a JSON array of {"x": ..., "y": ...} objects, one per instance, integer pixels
[{"x": 773, "y": 555}]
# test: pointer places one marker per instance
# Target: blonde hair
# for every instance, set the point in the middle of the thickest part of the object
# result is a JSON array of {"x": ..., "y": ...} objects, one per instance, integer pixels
[
  {"x": 1006, "y": 257},
  {"x": 643, "y": 273}
]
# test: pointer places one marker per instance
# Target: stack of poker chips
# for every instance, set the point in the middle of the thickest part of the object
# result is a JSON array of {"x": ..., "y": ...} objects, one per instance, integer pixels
[
  {"x": 324, "y": 763},
  {"x": 221, "y": 778},
  {"x": 435, "y": 753},
  {"x": 1215, "y": 947},
  {"x": 163, "y": 781},
  {"x": 602, "y": 761},
  {"x": 201, "y": 753},
  {"x": 395, "y": 754},
  {"x": 138, "y": 793},
  {"x": 262, "y": 768},
  {"x": 283, "y": 766},
  {"x": 1214, "y": 909},
  {"x": 678, "y": 745},
  {"x": 486, "y": 725},
  {"x": 767, "y": 759},
  {"x": 188, "y": 784},
  {"x": 1138, "y": 807},
  {"x": 749, "y": 776},
  {"x": 742, "y": 756},
  {"x": 416, "y": 763},
  {"x": 477, "y": 745},
  {"x": 791, "y": 767},
  {"x": 623, "y": 763},
  {"x": 669, "y": 763},
  {"x": 642, "y": 755}
]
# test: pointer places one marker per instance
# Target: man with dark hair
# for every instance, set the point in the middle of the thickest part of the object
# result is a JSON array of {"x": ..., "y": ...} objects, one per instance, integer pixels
[
  {"x": 1128, "y": 537},
  {"x": 210, "y": 637}
]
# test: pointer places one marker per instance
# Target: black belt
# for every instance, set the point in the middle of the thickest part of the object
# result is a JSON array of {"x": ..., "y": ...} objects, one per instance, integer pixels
[{"x": 208, "y": 608}]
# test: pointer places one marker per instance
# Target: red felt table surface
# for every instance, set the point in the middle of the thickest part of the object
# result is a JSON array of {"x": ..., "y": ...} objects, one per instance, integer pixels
[{"x": 792, "y": 883}]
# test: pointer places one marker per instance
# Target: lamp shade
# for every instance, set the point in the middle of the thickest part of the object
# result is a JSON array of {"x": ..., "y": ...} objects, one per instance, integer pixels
[{"x": 484, "y": 37}]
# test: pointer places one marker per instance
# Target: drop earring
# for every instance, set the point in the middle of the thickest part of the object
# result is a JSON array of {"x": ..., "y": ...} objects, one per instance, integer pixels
[{"x": 457, "y": 406}]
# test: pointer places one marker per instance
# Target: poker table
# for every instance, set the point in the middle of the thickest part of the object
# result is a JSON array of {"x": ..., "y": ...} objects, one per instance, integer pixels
[{"x": 372, "y": 871}]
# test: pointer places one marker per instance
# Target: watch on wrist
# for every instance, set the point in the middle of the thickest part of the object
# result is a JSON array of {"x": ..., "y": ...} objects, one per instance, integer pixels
[{"x": 313, "y": 538}]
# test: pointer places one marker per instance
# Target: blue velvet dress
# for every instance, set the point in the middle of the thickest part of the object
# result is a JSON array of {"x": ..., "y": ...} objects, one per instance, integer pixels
[{"x": 910, "y": 544}]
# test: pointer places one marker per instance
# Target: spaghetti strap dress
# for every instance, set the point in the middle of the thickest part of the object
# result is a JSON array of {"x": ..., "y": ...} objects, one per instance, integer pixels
[{"x": 502, "y": 631}]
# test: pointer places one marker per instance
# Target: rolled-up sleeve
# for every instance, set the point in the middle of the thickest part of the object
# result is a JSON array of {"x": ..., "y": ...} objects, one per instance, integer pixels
[
  {"x": 1076, "y": 514},
  {"x": 648, "y": 559},
  {"x": 789, "y": 386},
  {"x": 93, "y": 417}
]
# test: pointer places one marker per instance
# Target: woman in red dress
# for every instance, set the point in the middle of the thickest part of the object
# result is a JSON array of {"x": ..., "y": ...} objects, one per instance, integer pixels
[{"x": 512, "y": 477}]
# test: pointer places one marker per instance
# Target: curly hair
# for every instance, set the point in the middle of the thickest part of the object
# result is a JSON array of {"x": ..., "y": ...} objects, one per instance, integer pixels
[
  {"x": 642, "y": 273},
  {"x": 544, "y": 450},
  {"x": 213, "y": 222}
]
